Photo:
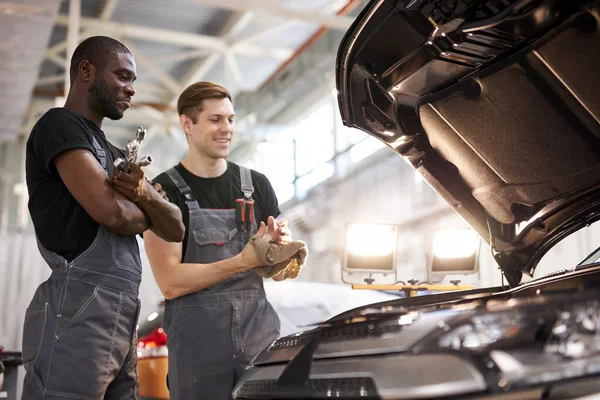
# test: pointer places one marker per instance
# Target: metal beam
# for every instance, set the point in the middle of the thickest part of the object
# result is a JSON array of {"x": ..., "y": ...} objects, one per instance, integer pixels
[
  {"x": 252, "y": 50},
  {"x": 164, "y": 77},
  {"x": 306, "y": 74},
  {"x": 109, "y": 9},
  {"x": 72, "y": 38},
  {"x": 50, "y": 80},
  {"x": 58, "y": 48},
  {"x": 333, "y": 7},
  {"x": 58, "y": 60},
  {"x": 236, "y": 24},
  {"x": 182, "y": 56},
  {"x": 174, "y": 38},
  {"x": 271, "y": 31},
  {"x": 197, "y": 72},
  {"x": 106, "y": 14},
  {"x": 275, "y": 8},
  {"x": 232, "y": 66}
]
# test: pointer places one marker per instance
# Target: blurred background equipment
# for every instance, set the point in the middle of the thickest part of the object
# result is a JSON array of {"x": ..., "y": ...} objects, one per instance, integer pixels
[{"x": 9, "y": 364}]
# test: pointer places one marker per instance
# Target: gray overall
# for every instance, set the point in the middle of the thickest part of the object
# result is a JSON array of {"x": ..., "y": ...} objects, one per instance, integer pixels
[
  {"x": 79, "y": 338},
  {"x": 214, "y": 333}
]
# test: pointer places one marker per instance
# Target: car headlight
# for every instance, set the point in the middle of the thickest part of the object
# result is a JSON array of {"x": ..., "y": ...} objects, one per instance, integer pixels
[
  {"x": 576, "y": 332},
  {"x": 481, "y": 331},
  {"x": 569, "y": 331}
]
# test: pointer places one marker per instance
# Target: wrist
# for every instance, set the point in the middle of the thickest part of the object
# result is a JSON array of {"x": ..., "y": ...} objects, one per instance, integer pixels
[
  {"x": 239, "y": 261},
  {"x": 246, "y": 261},
  {"x": 149, "y": 198}
]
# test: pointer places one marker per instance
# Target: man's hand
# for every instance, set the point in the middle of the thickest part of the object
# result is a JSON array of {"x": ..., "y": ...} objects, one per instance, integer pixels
[
  {"x": 165, "y": 217},
  {"x": 279, "y": 230},
  {"x": 160, "y": 190},
  {"x": 250, "y": 258},
  {"x": 133, "y": 185}
]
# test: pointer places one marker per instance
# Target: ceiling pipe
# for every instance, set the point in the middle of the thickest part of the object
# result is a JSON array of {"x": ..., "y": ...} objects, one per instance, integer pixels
[{"x": 347, "y": 9}]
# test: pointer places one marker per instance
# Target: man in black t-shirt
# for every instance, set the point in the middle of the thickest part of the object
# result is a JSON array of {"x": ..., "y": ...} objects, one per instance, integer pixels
[
  {"x": 79, "y": 330},
  {"x": 219, "y": 193},
  {"x": 217, "y": 317}
]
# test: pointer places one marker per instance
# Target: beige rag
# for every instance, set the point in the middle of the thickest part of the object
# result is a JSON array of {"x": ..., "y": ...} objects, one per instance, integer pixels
[{"x": 289, "y": 258}]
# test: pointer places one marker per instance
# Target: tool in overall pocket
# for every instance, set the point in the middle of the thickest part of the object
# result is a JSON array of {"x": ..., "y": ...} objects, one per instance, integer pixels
[
  {"x": 244, "y": 214},
  {"x": 240, "y": 214},
  {"x": 249, "y": 214},
  {"x": 244, "y": 211},
  {"x": 132, "y": 151}
]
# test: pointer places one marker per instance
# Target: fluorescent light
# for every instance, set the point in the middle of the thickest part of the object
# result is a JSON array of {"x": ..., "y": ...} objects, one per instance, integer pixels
[
  {"x": 152, "y": 316},
  {"x": 455, "y": 243},
  {"x": 371, "y": 239}
]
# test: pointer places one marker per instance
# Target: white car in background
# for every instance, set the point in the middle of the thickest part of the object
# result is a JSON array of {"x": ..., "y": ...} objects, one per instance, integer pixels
[{"x": 300, "y": 305}]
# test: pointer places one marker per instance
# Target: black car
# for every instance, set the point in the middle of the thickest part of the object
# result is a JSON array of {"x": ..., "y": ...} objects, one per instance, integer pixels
[{"x": 496, "y": 103}]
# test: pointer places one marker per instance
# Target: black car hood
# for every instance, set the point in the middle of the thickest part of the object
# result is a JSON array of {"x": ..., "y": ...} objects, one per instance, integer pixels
[{"x": 495, "y": 102}]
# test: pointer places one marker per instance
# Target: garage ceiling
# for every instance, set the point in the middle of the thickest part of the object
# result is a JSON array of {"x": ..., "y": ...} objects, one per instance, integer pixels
[
  {"x": 25, "y": 27},
  {"x": 242, "y": 44}
]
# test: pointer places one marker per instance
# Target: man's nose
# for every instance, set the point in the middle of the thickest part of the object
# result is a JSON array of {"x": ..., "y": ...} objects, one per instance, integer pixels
[
  {"x": 130, "y": 90},
  {"x": 227, "y": 126}
]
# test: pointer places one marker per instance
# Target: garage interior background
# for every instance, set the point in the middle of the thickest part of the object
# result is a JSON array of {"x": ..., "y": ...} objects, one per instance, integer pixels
[{"x": 277, "y": 57}]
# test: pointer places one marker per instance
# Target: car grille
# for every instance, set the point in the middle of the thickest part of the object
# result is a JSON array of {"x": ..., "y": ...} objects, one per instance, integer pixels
[
  {"x": 338, "y": 333},
  {"x": 347, "y": 388},
  {"x": 288, "y": 342},
  {"x": 359, "y": 331}
]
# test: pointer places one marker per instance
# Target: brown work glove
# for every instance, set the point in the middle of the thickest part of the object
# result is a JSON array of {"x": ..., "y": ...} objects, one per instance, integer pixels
[{"x": 289, "y": 258}]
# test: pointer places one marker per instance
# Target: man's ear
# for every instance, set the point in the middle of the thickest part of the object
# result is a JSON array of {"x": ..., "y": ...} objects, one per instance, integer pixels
[
  {"x": 86, "y": 71},
  {"x": 186, "y": 124}
]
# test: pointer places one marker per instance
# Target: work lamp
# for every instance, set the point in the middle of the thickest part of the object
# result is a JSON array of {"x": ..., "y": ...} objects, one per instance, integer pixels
[
  {"x": 370, "y": 247},
  {"x": 454, "y": 251}
]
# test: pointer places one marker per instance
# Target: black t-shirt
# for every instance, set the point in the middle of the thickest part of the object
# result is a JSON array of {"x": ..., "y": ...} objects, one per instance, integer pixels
[
  {"x": 61, "y": 223},
  {"x": 220, "y": 193}
]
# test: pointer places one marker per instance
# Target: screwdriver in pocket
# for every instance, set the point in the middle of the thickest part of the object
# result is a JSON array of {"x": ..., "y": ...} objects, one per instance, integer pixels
[{"x": 240, "y": 214}]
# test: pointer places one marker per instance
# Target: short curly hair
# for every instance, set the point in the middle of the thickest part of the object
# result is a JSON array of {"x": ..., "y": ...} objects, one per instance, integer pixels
[
  {"x": 98, "y": 50},
  {"x": 191, "y": 100}
]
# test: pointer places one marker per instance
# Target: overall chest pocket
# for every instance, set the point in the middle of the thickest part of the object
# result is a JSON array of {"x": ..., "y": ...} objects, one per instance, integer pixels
[
  {"x": 215, "y": 244},
  {"x": 214, "y": 236},
  {"x": 125, "y": 254}
]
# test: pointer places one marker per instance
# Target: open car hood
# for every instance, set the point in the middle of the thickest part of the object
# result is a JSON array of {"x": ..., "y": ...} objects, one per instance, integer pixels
[{"x": 495, "y": 102}]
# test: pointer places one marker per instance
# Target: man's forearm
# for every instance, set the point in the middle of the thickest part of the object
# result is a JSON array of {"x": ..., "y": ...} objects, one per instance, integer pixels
[
  {"x": 130, "y": 220},
  {"x": 188, "y": 278},
  {"x": 165, "y": 218}
]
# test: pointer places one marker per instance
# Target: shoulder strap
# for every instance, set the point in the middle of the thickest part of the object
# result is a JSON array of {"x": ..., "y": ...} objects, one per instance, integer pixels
[
  {"x": 183, "y": 188},
  {"x": 100, "y": 153},
  {"x": 246, "y": 179}
]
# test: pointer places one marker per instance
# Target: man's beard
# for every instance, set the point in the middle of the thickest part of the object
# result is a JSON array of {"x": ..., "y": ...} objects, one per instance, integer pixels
[{"x": 103, "y": 102}]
